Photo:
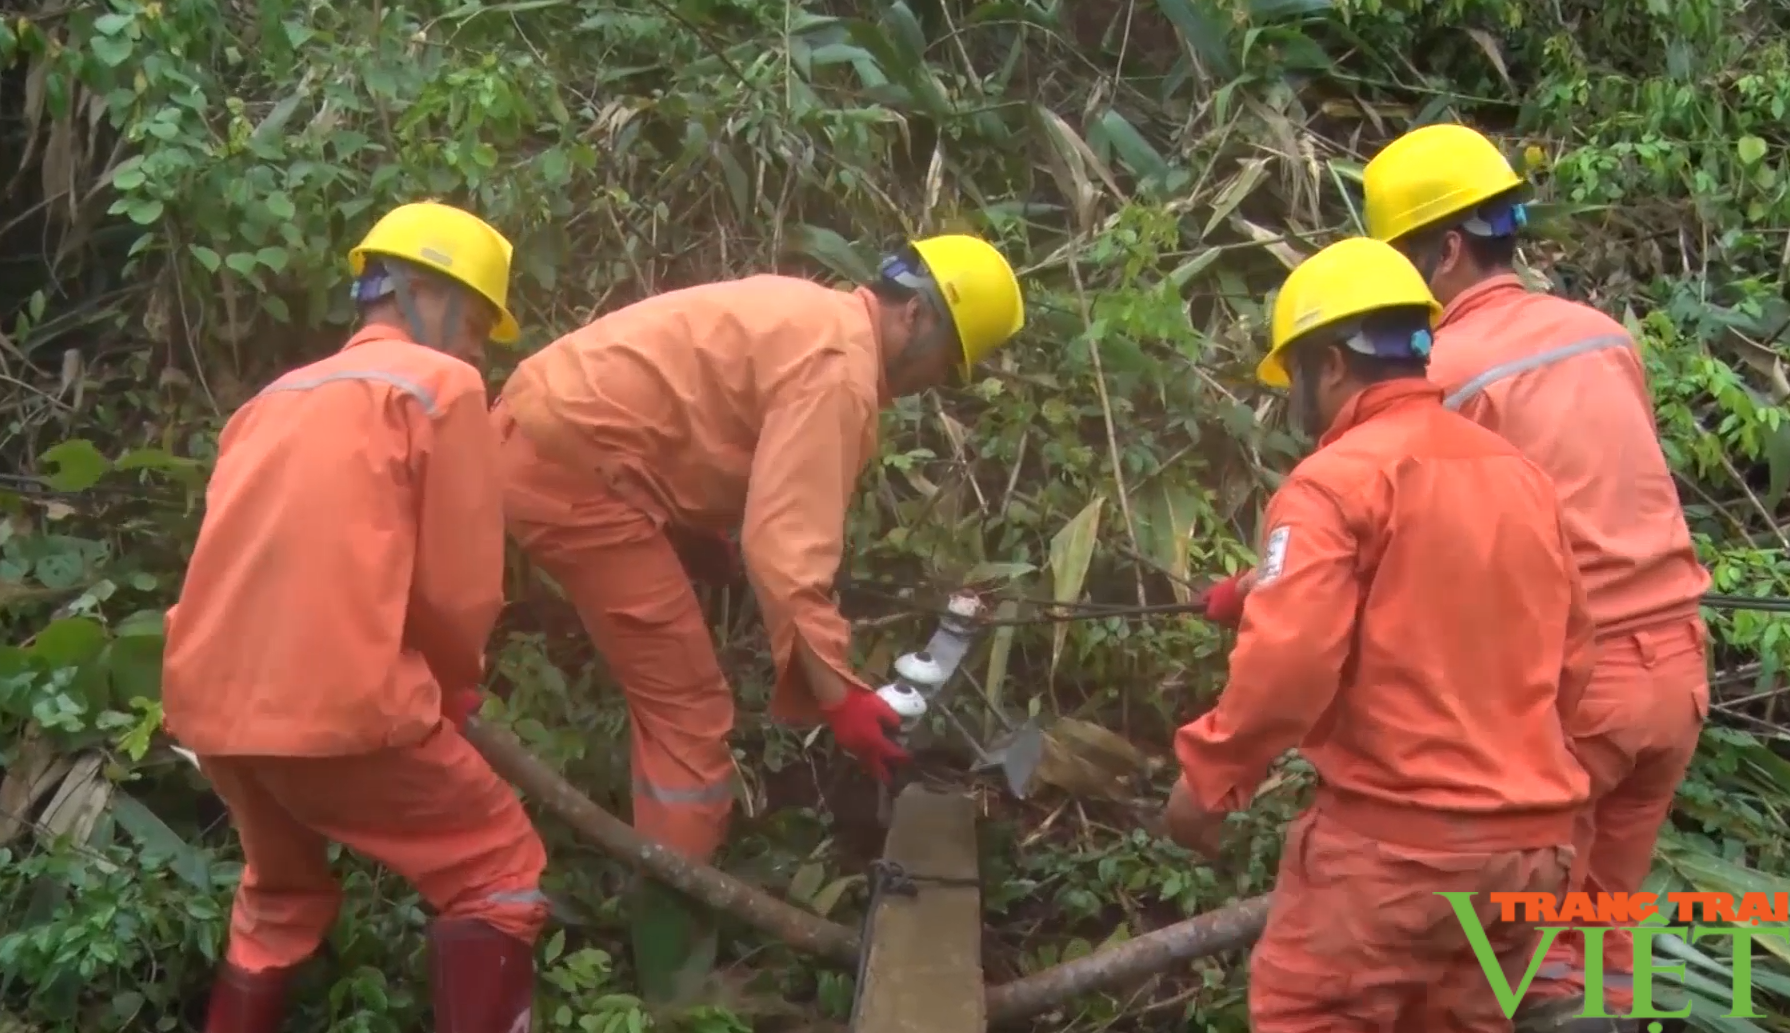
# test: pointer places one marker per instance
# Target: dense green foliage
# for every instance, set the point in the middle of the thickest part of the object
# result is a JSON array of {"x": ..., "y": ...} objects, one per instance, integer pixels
[{"x": 181, "y": 178}]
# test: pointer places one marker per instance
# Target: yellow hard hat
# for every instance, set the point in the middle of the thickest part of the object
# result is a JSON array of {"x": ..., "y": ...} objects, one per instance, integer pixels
[
  {"x": 1348, "y": 279},
  {"x": 1429, "y": 174},
  {"x": 980, "y": 290},
  {"x": 455, "y": 243}
]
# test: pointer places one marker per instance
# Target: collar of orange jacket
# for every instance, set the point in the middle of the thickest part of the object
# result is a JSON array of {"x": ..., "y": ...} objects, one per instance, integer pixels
[
  {"x": 875, "y": 309},
  {"x": 1376, "y": 399},
  {"x": 378, "y": 331},
  {"x": 1481, "y": 293}
]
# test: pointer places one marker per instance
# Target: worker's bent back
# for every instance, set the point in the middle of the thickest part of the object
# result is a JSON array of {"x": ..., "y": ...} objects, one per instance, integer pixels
[{"x": 350, "y": 561}]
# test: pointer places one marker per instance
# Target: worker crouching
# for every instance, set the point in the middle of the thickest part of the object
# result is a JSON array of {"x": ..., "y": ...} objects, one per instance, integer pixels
[
  {"x": 748, "y": 405},
  {"x": 1417, "y": 628},
  {"x": 330, "y": 636}
]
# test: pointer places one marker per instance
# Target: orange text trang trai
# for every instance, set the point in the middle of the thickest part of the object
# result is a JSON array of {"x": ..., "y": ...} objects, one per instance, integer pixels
[{"x": 1634, "y": 908}]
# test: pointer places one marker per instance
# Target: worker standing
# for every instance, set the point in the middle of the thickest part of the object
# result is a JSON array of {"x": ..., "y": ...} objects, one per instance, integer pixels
[
  {"x": 752, "y": 405},
  {"x": 1417, "y": 628},
  {"x": 330, "y": 636},
  {"x": 1565, "y": 384}
]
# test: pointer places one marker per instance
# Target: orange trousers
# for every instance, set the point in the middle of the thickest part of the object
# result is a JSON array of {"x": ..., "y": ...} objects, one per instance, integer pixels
[
  {"x": 1635, "y": 734},
  {"x": 624, "y": 577},
  {"x": 435, "y": 813},
  {"x": 1359, "y": 942}
]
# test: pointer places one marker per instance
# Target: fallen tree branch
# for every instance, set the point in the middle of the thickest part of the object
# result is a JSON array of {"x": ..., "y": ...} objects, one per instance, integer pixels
[
  {"x": 1227, "y": 928},
  {"x": 723, "y": 892},
  {"x": 1137, "y": 959}
]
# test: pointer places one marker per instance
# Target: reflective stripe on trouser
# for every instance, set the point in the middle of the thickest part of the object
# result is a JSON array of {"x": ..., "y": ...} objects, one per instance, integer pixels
[
  {"x": 434, "y": 813},
  {"x": 1358, "y": 939},
  {"x": 1635, "y": 733},
  {"x": 621, "y": 572}
]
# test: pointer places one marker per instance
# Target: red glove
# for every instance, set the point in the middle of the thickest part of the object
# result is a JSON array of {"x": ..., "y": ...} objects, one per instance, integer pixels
[
  {"x": 458, "y": 705},
  {"x": 1224, "y": 601},
  {"x": 861, "y": 725}
]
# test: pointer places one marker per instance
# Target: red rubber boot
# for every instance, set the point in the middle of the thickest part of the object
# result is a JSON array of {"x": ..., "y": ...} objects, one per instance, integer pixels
[
  {"x": 483, "y": 980},
  {"x": 247, "y": 1002}
]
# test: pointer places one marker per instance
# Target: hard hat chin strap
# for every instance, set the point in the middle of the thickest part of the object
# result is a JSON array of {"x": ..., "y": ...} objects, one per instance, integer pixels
[{"x": 386, "y": 280}]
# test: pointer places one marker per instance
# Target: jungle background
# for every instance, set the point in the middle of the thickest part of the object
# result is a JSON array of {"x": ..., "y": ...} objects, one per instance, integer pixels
[{"x": 179, "y": 181}]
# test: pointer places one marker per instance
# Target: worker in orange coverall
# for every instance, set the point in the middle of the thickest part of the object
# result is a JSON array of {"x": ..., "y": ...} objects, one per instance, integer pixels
[
  {"x": 1565, "y": 384},
  {"x": 330, "y": 636},
  {"x": 1416, "y": 626},
  {"x": 752, "y": 405}
]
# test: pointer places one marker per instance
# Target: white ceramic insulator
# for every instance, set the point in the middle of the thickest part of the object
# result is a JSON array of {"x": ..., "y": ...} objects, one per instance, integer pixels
[
  {"x": 922, "y": 670},
  {"x": 904, "y": 700}
]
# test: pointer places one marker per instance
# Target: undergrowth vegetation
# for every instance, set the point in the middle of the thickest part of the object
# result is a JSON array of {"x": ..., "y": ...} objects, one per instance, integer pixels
[{"x": 179, "y": 180}]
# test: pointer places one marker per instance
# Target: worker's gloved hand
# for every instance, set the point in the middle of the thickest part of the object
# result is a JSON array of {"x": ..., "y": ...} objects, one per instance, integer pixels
[
  {"x": 459, "y": 704},
  {"x": 1224, "y": 600},
  {"x": 862, "y": 724},
  {"x": 1190, "y": 825},
  {"x": 708, "y": 558}
]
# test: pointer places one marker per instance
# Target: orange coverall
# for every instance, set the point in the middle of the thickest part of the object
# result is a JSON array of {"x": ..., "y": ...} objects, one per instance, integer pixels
[
  {"x": 1418, "y": 629},
  {"x": 349, "y": 567},
  {"x": 751, "y": 404},
  {"x": 1564, "y": 383}
]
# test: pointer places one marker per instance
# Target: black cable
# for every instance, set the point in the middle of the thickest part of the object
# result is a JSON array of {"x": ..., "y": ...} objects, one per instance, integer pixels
[{"x": 1077, "y": 611}]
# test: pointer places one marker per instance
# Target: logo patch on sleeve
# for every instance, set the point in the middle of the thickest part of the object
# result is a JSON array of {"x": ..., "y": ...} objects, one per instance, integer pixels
[{"x": 1274, "y": 556}]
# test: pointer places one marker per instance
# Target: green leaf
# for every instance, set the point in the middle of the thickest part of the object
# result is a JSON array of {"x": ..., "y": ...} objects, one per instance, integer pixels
[
  {"x": 62, "y": 562},
  {"x": 152, "y": 459},
  {"x": 272, "y": 257},
  {"x": 157, "y": 839},
  {"x": 78, "y": 464},
  {"x": 556, "y": 169},
  {"x": 281, "y": 207},
  {"x": 1133, "y": 151},
  {"x": 142, "y": 624},
  {"x": 1000, "y": 650},
  {"x": 135, "y": 665},
  {"x": 69, "y": 642},
  {"x": 1204, "y": 32},
  {"x": 111, "y": 51},
  {"x": 831, "y": 250},
  {"x": 143, "y": 211},
  {"x": 1776, "y": 447},
  {"x": 1750, "y": 150},
  {"x": 129, "y": 176},
  {"x": 111, "y": 24},
  {"x": 984, "y": 573},
  {"x": 1071, "y": 550},
  {"x": 242, "y": 262},
  {"x": 208, "y": 258}
]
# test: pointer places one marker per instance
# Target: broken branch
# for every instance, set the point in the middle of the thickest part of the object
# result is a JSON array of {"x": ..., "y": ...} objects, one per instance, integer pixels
[{"x": 801, "y": 930}]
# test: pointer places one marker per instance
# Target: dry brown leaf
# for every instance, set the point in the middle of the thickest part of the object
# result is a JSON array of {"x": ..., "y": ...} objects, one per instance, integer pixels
[
  {"x": 1274, "y": 242},
  {"x": 1088, "y": 761}
]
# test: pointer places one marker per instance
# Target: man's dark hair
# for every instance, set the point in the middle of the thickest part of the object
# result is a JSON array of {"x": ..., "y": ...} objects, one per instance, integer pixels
[
  {"x": 1369, "y": 369},
  {"x": 1486, "y": 252},
  {"x": 1308, "y": 357}
]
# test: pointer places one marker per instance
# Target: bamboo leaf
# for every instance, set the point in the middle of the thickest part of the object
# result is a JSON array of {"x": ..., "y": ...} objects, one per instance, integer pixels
[
  {"x": 1071, "y": 550},
  {"x": 831, "y": 250}
]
